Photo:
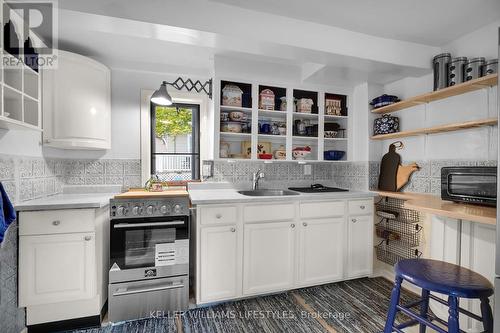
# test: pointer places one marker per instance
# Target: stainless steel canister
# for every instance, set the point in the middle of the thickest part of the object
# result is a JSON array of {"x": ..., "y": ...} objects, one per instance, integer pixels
[
  {"x": 440, "y": 66},
  {"x": 473, "y": 68},
  {"x": 491, "y": 67},
  {"x": 456, "y": 70}
]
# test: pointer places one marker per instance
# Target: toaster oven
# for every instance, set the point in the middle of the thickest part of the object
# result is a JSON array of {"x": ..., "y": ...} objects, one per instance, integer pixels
[{"x": 470, "y": 184}]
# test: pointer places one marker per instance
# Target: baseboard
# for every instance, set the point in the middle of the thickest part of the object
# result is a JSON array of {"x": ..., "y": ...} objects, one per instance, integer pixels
[{"x": 66, "y": 325}]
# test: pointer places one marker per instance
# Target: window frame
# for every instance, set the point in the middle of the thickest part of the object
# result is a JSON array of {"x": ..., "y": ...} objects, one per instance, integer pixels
[{"x": 195, "y": 140}]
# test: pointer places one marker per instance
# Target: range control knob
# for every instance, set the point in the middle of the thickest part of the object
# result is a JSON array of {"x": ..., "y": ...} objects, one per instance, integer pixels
[
  {"x": 150, "y": 210},
  {"x": 177, "y": 209},
  {"x": 137, "y": 210},
  {"x": 165, "y": 209},
  {"x": 121, "y": 211}
]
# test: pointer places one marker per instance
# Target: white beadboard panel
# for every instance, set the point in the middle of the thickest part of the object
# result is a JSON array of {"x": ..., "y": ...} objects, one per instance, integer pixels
[
  {"x": 414, "y": 148},
  {"x": 470, "y": 106},
  {"x": 466, "y": 144},
  {"x": 493, "y": 144},
  {"x": 411, "y": 118},
  {"x": 493, "y": 102}
]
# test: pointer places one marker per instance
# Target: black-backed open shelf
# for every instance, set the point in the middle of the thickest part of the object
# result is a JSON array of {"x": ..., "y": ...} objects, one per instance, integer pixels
[
  {"x": 278, "y": 93},
  {"x": 298, "y": 94},
  {"x": 246, "y": 98},
  {"x": 343, "y": 101}
]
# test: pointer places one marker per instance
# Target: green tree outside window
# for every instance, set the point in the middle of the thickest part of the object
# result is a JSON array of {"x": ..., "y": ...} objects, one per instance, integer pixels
[{"x": 172, "y": 122}]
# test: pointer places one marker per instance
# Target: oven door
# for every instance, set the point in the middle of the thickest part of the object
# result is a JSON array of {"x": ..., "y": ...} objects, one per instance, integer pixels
[{"x": 140, "y": 244}]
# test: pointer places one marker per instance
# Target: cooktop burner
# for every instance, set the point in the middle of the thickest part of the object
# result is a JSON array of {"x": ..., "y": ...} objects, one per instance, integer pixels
[{"x": 317, "y": 188}]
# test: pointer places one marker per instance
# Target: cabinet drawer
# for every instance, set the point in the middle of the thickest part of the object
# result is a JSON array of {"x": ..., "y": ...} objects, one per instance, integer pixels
[
  {"x": 266, "y": 213},
  {"x": 313, "y": 210},
  {"x": 218, "y": 214},
  {"x": 56, "y": 221},
  {"x": 361, "y": 207}
]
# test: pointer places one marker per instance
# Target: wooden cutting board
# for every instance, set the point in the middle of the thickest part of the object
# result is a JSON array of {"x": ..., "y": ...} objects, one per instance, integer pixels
[{"x": 140, "y": 194}]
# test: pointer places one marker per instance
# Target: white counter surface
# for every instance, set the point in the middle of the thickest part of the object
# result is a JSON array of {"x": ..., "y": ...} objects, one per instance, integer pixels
[
  {"x": 222, "y": 196},
  {"x": 67, "y": 201}
]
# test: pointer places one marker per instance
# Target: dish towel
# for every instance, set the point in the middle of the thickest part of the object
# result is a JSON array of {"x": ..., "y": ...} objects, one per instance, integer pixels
[{"x": 7, "y": 212}]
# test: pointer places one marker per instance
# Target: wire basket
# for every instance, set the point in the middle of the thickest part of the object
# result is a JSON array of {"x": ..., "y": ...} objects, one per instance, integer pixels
[
  {"x": 395, "y": 207},
  {"x": 407, "y": 234},
  {"x": 391, "y": 253}
]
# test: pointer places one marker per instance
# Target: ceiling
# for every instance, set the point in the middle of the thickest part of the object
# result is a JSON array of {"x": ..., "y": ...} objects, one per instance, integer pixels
[
  {"x": 286, "y": 36},
  {"x": 430, "y": 22}
]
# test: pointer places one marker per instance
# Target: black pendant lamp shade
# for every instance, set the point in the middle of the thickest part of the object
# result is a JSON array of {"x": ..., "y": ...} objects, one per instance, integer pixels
[{"x": 161, "y": 96}]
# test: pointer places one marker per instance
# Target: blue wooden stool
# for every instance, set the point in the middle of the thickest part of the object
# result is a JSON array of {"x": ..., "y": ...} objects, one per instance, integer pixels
[{"x": 444, "y": 278}]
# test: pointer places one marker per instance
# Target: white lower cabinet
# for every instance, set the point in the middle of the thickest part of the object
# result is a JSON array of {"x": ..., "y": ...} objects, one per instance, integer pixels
[
  {"x": 56, "y": 268},
  {"x": 266, "y": 247},
  {"x": 268, "y": 257},
  {"x": 219, "y": 258},
  {"x": 321, "y": 250},
  {"x": 63, "y": 263},
  {"x": 359, "y": 246}
]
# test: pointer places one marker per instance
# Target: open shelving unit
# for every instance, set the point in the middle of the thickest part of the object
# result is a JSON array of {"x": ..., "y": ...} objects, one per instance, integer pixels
[
  {"x": 462, "y": 88},
  {"x": 275, "y": 129}
]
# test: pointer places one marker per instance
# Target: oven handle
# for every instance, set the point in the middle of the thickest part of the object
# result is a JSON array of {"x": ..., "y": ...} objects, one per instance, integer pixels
[
  {"x": 152, "y": 224},
  {"x": 131, "y": 292}
]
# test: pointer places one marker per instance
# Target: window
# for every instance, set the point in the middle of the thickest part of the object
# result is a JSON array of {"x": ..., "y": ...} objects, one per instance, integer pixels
[{"x": 175, "y": 142}]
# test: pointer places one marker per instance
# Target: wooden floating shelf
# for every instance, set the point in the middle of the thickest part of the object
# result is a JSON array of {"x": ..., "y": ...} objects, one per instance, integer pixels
[
  {"x": 462, "y": 88},
  {"x": 438, "y": 129}
]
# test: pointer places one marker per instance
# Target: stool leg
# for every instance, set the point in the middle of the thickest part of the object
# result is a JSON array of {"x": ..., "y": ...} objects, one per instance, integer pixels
[
  {"x": 487, "y": 315},
  {"x": 424, "y": 308},
  {"x": 453, "y": 326},
  {"x": 391, "y": 314}
]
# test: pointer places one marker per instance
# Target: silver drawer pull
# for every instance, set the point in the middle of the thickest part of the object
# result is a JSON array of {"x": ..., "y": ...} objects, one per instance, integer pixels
[
  {"x": 362, "y": 207},
  {"x": 233, "y": 229},
  {"x": 87, "y": 238},
  {"x": 292, "y": 225},
  {"x": 148, "y": 290},
  {"x": 354, "y": 220},
  {"x": 304, "y": 224},
  {"x": 56, "y": 222},
  {"x": 218, "y": 216}
]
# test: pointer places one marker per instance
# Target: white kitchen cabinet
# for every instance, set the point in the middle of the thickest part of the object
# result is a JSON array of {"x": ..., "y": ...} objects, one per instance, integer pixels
[
  {"x": 219, "y": 263},
  {"x": 56, "y": 268},
  {"x": 321, "y": 250},
  {"x": 77, "y": 103},
  {"x": 268, "y": 257},
  {"x": 359, "y": 246},
  {"x": 63, "y": 263}
]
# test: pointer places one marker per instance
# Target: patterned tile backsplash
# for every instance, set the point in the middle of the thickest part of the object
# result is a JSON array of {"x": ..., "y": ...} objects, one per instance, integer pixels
[
  {"x": 428, "y": 178},
  {"x": 26, "y": 178}
]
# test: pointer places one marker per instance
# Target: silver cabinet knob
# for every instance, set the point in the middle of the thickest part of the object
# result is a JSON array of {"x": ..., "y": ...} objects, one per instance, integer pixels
[
  {"x": 87, "y": 238},
  {"x": 304, "y": 224},
  {"x": 354, "y": 220},
  {"x": 292, "y": 225},
  {"x": 233, "y": 229},
  {"x": 56, "y": 222},
  {"x": 362, "y": 207},
  {"x": 218, "y": 216}
]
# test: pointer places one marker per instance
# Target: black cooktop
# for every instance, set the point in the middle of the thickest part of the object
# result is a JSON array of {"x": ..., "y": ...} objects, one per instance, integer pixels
[{"x": 317, "y": 188}]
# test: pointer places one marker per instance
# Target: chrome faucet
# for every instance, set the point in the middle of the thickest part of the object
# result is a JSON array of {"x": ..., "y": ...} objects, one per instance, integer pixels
[{"x": 255, "y": 180}]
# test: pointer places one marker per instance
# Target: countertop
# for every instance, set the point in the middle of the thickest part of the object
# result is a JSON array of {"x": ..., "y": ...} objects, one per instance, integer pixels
[
  {"x": 433, "y": 204},
  {"x": 222, "y": 196},
  {"x": 142, "y": 193},
  {"x": 67, "y": 201}
]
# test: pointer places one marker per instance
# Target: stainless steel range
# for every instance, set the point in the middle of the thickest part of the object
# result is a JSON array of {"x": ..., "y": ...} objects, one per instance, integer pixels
[{"x": 149, "y": 257}]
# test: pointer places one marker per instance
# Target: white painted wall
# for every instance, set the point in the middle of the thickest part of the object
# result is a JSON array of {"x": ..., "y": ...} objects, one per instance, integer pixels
[
  {"x": 125, "y": 117},
  {"x": 481, "y": 143}
]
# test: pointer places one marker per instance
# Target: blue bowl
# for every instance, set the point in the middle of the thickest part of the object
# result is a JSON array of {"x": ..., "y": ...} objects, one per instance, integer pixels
[{"x": 333, "y": 155}]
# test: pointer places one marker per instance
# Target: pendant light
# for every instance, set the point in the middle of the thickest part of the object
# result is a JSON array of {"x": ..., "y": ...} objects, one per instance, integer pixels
[{"x": 161, "y": 96}]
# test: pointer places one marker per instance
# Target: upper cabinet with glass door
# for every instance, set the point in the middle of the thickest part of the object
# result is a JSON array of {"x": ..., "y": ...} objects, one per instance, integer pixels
[{"x": 20, "y": 92}]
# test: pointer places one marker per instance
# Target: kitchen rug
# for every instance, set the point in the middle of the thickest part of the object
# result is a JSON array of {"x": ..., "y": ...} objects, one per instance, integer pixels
[
  {"x": 356, "y": 306},
  {"x": 150, "y": 325},
  {"x": 268, "y": 314}
]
